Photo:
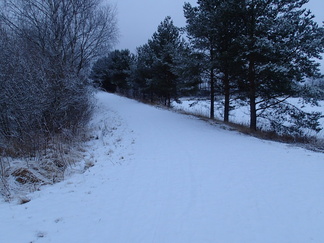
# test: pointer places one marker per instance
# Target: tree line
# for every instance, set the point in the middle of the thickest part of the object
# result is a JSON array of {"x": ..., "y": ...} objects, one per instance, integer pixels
[
  {"x": 255, "y": 51},
  {"x": 157, "y": 72}
]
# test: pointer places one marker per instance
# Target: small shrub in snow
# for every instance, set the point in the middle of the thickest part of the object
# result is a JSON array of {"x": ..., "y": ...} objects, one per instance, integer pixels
[
  {"x": 24, "y": 175},
  {"x": 23, "y": 200},
  {"x": 88, "y": 164}
]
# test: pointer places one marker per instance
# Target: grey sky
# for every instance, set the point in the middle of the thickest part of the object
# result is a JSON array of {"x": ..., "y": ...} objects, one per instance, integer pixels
[{"x": 139, "y": 19}]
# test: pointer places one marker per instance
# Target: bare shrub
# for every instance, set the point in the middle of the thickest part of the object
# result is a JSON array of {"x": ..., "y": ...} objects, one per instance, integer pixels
[
  {"x": 46, "y": 48},
  {"x": 24, "y": 175}
]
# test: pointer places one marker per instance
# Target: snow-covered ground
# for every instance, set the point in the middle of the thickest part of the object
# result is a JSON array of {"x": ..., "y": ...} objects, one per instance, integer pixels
[
  {"x": 163, "y": 177},
  {"x": 241, "y": 114}
]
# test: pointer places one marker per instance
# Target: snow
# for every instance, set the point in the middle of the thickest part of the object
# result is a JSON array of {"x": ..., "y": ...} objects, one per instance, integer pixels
[
  {"x": 163, "y": 177},
  {"x": 241, "y": 113}
]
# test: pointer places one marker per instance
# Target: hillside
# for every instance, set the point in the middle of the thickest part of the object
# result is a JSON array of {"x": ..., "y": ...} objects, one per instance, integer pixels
[{"x": 163, "y": 177}]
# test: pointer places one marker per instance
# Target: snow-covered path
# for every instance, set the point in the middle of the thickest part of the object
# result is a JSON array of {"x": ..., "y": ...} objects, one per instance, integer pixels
[{"x": 168, "y": 178}]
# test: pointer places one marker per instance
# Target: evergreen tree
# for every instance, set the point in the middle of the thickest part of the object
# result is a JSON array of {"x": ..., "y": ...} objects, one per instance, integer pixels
[
  {"x": 279, "y": 43},
  {"x": 213, "y": 28},
  {"x": 100, "y": 76},
  {"x": 166, "y": 44},
  {"x": 201, "y": 30},
  {"x": 189, "y": 67},
  {"x": 112, "y": 72},
  {"x": 158, "y": 60},
  {"x": 262, "y": 49},
  {"x": 141, "y": 74}
]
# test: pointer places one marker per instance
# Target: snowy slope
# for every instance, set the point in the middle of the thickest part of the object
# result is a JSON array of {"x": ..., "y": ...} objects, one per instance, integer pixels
[
  {"x": 241, "y": 114},
  {"x": 167, "y": 178}
]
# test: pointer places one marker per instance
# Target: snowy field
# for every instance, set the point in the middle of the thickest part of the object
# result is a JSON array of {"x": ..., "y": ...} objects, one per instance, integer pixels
[
  {"x": 241, "y": 114},
  {"x": 163, "y": 177}
]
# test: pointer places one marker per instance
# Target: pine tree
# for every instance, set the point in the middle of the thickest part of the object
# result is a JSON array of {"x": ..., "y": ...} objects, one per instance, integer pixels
[
  {"x": 166, "y": 44},
  {"x": 188, "y": 68},
  {"x": 261, "y": 49},
  {"x": 112, "y": 72},
  {"x": 213, "y": 28},
  {"x": 157, "y": 62},
  {"x": 279, "y": 43},
  {"x": 141, "y": 74},
  {"x": 201, "y": 30}
]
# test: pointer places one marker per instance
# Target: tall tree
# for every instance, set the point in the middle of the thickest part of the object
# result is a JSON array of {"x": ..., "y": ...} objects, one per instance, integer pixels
[
  {"x": 112, "y": 72},
  {"x": 188, "y": 68},
  {"x": 160, "y": 57},
  {"x": 213, "y": 28},
  {"x": 263, "y": 49},
  {"x": 201, "y": 24},
  {"x": 166, "y": 44},
  {"x": 142, "y": 74},
  {"x": 280, "y": 41},
  {"x": 229, "y": 65}
]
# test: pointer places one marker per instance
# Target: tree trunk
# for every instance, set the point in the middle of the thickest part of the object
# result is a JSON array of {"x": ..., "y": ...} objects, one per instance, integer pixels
[
  {"x": 169, "y": 100},
  {"x": 253, "y": 116},
  {"x": 227, "y": 97},
  {"x": 251, "y": 73},
  {"x": 252, "y": 96},
  {"x": 212, "y": 84},
  {"x": 212, "y": 94}
]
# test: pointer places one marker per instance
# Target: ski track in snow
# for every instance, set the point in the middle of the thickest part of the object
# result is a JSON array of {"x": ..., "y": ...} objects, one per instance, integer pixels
[{"x": 162, "y": 177}]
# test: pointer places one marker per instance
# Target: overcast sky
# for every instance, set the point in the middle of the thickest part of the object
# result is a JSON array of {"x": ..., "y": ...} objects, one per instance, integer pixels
[{"x": 139, "y": 19}]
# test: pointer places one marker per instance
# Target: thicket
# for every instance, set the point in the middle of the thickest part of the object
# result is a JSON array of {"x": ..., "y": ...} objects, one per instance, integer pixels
[{"x": 46, "y": 48}]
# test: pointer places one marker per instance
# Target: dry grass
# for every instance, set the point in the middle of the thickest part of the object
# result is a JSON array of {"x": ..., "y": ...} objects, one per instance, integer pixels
[
  {"x": 308, "y": 142},
  {"x": 24, "y": 169}
]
